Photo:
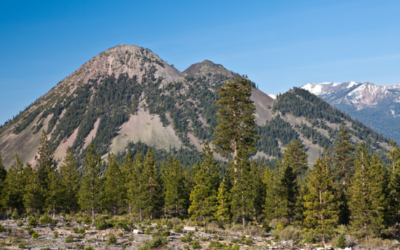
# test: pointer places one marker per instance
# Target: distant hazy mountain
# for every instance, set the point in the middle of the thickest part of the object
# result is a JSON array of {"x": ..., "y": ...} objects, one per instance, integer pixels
[
  {"x": 128, "y": 99},
  {"x": 375, "y": 106}
]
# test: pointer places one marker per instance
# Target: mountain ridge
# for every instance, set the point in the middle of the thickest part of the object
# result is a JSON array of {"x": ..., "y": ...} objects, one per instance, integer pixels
[
  {"x": 128, "y": 95},
  {"x": 376, "y": 106}
]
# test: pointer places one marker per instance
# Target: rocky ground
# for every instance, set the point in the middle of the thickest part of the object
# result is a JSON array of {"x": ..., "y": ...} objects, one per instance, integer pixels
[{"x": 17, "y": 234}]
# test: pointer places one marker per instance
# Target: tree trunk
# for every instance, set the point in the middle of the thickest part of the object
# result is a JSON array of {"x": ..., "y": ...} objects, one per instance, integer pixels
[
  {"x": 243, "y": 222},
  {"x": 140, "y": 216},
  {"x": 54, "y": 212},
  {"x": 93, "y": 214}
]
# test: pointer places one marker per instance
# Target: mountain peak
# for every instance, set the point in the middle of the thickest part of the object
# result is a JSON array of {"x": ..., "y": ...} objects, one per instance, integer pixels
[{"x": 207, "y": 67}]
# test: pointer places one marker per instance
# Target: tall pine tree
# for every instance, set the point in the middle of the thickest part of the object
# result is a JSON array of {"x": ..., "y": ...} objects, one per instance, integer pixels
[
  {"x": 33, "y": 195},
  {"x": 322, "y": 207},
  {"x": 223, "y": 213},
  {"x": 203, "y": 196},
  {"x": 70, "y": 182},
  {"x": 3, "y": 175},
  {"x": 91, "y": 192},
  {"x": 114, "y": 190},
  {"x": 152, "y": 186},
  {"x": 394, "y": 184},
  {"x": 45, "y": 161},
  {"x": 236, "y": 120},
  {"x": 367, "y": 199},
  {"x": 54, "y": 192},
  {"x": 174, "y": 186},
  {"x": 242, "y": 192},
  {"x": 14, "y": 186},
  {"x": 273, "y": 208}
]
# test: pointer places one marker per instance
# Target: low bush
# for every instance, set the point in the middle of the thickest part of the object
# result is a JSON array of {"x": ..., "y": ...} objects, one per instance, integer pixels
[
  {"x": 15, "y": 215},
  {"x": 20, "y": 224},
  {"x": 112, "y": 239},
  {"x": 166, "y": 233},
  {"x": 187, "y": 239},
  {"x": 87, "y": 220},
  {"x": 121, "y": 234},
  {"x": 196, "y": 245},
  {"x": 35, "y": 235},
  {"x": 341, "y": 242},
  {"x": 45, "y": 219},
  {"x": 290, "y": 233},
  {"x": 32, "y": 222},
  {"x": 249, "y": 241},
  {"x": 21, "y": 245},
  {"x": 69, "y": 239},
  {"x": 89, "y": 248},
  {"x": 178, "y": 229},
  {"x": 68, "y": 224},
  {"x": 55, "y": 234},
  {"x": 2, "y": 229}
]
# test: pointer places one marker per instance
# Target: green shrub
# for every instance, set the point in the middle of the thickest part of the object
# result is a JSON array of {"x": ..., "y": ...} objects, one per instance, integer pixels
[
  {"x": 112, "y": 239},
  {"x": 35, "y": 235},
  {"x": 123, "y": 246},
  {"x": 169, "y": 225},
  {"x": 15, "y": 215},
  {"x": 89, "y": 247},
  {"x": 186, "y": 247},
  {"x": 148, "y": 230},
  {"x": 144, "y": 247},
  {"x": 341, "y": 242},
  {"x": 309, "y": 239},
  {"x": 21, "y": 245},
  {"x": 242, "y": 238},
  {"x": 204, "y": 239},
  {"x": 45, "y": 219},
  {"x": 130, "y": 239},
  {"x": 69, "y": 239},
  {"x": 249, "y": 241},
  {"x": 46, "y": 248},
  {"x": 76, "y": 230},
  {"x": 87, "y": 220},
  {"x": 235, "y": 247},
  {"x": 279, "y": 227},
  {"x": 79, "y": 246},
  {"x": 266, "y": 227},
  {"x": 30, "y": 231},
  {"x": 178, "y": 229},
  {"x": 55, "y": 234},
  {"x": 32, "y": 222},
  {"x": 79, "y": 221},
  {"x": 268, "y": 242},
  {"x": 166, "y": 233},
  {"x": 187, "y": 239},
  {"x": 2, "y": 228},
  {"x": 290, "y": 233},
  {"x": 20, "y": 223},
  {"x": 157, "y": 242},
  {"x": 100, "y": 224},
  {"x": 196, "y": 245},
  {"x": 68, "y": 224},
  {"x": 121, "y": 234},
  {"x": 53, "y": 223}
]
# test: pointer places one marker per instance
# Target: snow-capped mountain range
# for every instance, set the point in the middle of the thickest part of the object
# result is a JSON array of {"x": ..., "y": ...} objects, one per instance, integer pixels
[
  {"x": 359, "y": 94},
  {"x": 375, "y": 106}
]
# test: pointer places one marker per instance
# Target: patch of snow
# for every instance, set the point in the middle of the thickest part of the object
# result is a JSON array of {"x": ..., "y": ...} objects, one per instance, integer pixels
[
  {"x": 335, "y": 84},
  {"x": 351, "y": 84},
  {"x": 393, "y": 113},
  {"x": 313, "y": 88},
  {"x": 272, "y": 96}
]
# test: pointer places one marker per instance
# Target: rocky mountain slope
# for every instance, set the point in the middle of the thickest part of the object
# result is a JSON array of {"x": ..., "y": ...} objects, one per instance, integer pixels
[
  {"x": 375, "y": 106},
  {"x": 127, "y": 98}
]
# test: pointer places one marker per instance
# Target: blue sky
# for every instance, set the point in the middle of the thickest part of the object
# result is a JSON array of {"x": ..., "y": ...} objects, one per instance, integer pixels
[{"x": 278, "y": 44}]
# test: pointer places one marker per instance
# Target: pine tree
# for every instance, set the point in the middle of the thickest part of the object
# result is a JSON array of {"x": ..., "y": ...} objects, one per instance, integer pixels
[
  {"x": 53, "y": 193},
  {"x": 344, "y": 159},
  {"x": 90, "y": 194},
  {"x": 203, "y": 196},
  {"x": 343, "y": 169},
  {"x": 295, "y": 156},
  {"x": 70, "y": 182},
  {"x": 152, "y": 184},
  {"x": 242, "y": 193},
  {"x": 33, "y": 195},
  {"x": 367, "y": 199},
  {"x": 114, "y": 189},
  {"x": 14, "y": 186},
  {"x": 223, "y": 212},
  {"x": 3, "y": 175},
  {"x": 394, "y": 184},
  {"x": 136, "y": 187},
  {"x": 322, "y": 207},
  {"x": 257, "y": 172},
  {"x": 127, "y": 169},
  {"x": 174, "y": 186},
  {"x": 289, "y": 193},
  {"x": 273, "y": 208},
  {"x": 45, "y": 161},
  {"x": 236, "y": 120}
]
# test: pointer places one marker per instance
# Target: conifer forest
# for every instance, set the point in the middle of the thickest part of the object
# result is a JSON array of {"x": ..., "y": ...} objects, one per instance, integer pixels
[{"x": 350, "y": 196}]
